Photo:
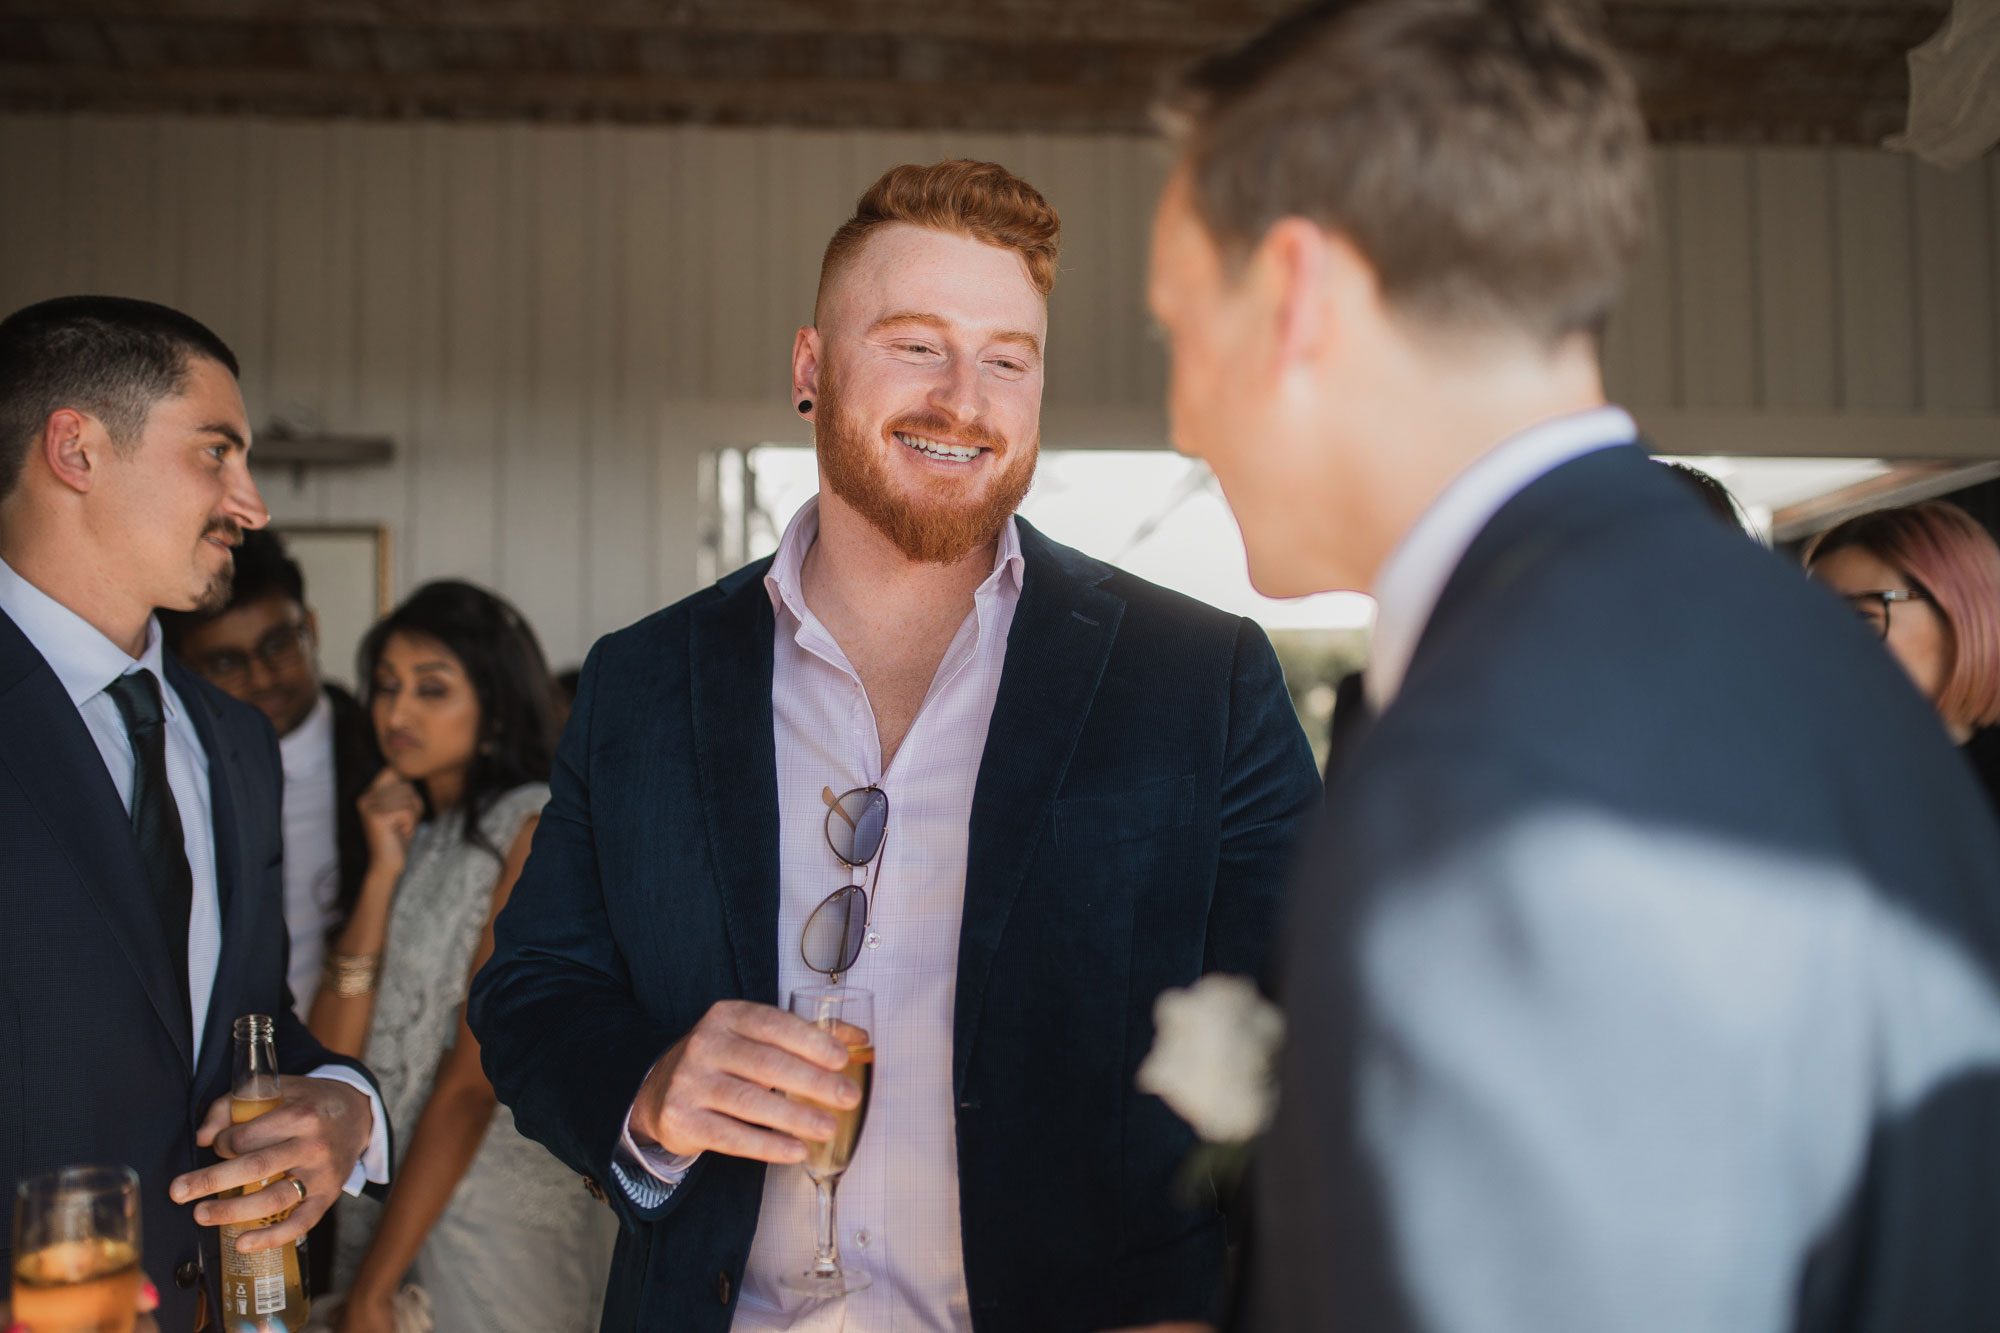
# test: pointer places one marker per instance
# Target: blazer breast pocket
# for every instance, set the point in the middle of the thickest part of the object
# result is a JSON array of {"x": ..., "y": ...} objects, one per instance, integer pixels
[{"x": 1135, "y": 813}]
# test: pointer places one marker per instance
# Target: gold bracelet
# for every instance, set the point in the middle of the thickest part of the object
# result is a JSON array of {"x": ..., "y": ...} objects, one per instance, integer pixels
[{"x": 351, "y": 974}]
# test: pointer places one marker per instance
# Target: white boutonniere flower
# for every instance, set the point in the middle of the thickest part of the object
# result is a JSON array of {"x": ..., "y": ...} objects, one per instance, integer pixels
[{"x": 1214, "y": 1058}]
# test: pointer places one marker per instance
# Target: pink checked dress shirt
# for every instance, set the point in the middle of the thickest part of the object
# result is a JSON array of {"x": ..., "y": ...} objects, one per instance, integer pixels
[{"x": 899, "y": 1199}]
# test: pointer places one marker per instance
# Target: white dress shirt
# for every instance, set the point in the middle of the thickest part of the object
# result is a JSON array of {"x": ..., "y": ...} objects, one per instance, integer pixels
[
  {"x": 898, "y": 1201},
  {"x": 312, "y": 847},
  {"x": 1413, "y": 577},
  {"x": 87, "y": 663}
]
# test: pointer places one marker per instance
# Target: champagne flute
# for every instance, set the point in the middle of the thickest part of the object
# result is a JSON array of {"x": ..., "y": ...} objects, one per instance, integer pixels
[
  {"x": 848, "y": 1012},
  {"x": 76, "y": 1250}
]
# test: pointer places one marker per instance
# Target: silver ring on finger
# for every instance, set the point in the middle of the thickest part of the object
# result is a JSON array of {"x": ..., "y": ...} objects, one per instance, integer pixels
[{"x": 298, "y": 1185}]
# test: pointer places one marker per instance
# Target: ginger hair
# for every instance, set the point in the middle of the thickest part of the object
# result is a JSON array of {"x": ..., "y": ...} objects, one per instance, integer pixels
[{"x": 982, "y": 200}]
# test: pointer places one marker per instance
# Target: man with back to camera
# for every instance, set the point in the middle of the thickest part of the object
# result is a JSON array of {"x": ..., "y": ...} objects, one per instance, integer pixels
[
  {"x": 1643, "y": 973},
  {"x": 139, "y": 820},
  {"x": 1091, "y": 788},
  {"x": 262, "y": 647}
]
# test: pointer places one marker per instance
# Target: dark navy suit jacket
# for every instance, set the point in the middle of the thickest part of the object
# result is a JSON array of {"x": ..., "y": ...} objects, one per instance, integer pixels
[
  {"x": 96, "y": 1050},
  {"x": 1645, "y": 970},
  {"x": 1143, "y": 779}
]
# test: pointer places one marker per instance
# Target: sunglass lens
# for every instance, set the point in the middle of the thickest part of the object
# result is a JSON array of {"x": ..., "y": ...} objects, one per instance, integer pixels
[
  {"x": 854, "y": 825},
  {"x": 833, "y": 933}
]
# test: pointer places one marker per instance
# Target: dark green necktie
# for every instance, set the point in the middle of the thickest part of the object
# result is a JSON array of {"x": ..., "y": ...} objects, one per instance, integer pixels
[{"x": 156, "y": 820}]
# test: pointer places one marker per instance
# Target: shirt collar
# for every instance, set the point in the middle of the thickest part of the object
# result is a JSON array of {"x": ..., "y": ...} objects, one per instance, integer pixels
[
  {"x": 82, "y": 658},
  {"x": 785, "y": 580},
  {"x": 1413, "y": 577},
  {"x": 309, "y": 747}
]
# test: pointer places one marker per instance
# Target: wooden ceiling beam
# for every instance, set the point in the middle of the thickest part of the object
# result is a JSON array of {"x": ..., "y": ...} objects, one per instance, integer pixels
[
  {"x": 1811, "y": 72},
  {"x": 565, "y": 98},
  {"x": 1201, "y": 22}
]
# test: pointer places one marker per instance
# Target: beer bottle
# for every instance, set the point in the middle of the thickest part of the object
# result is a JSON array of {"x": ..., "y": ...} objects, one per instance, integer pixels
[{"x": 264, "y": 1291}]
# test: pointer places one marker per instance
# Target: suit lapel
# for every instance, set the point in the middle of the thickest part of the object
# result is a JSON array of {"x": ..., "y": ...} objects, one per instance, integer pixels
[
  {"x": 55, "y": 761},
  {"x": 730, "y": 643},
  {"x": 226, "y": 801},
  {"x": 1057, "y": 648}
]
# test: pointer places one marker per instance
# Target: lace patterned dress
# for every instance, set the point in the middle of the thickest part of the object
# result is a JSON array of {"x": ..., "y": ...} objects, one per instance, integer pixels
[{"x": 521, "y": 1246}]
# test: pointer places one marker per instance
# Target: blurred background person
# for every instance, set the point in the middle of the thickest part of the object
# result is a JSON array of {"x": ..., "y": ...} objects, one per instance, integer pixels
[
  {"x": 263, "y": 647},
  {"x": 1926, "y": 579},
  {"x": 1706, "y": 489},
  {"x": 497, "y": 1232}
]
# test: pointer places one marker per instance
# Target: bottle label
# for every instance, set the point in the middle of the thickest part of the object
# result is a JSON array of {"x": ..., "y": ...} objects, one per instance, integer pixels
[{"x": 251, "y": 1283}]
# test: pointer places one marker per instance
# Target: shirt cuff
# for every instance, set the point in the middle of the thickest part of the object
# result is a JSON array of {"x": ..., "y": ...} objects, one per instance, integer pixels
[
  {"x": 648, "y": 1173},
  {"x": 373, "y": 1166}
]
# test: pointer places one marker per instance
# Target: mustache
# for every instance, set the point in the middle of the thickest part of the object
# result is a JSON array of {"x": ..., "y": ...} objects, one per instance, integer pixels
[
  {"x": 225, "y": 527},
  {"x": 939, "y": 426}
]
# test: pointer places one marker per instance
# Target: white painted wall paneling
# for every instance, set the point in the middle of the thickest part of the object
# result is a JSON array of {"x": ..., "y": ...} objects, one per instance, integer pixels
[{"x": 554, "y": 323}]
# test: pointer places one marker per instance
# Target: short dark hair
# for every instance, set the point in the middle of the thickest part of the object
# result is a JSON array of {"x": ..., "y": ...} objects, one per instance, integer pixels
[
  {"x": 1706, "y": 489},
  {"x": 504, "y": 662},
  {"x": 110, "y": 356},
  {"x": 262, "y": 570},
  {"x": 1487, "y": 157}
]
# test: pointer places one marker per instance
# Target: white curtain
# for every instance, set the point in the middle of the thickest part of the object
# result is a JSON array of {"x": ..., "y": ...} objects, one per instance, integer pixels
[{"x": 1955, "y": 88}]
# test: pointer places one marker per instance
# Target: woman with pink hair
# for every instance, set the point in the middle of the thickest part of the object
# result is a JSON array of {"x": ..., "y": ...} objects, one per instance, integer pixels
[{"x": 1926, "y": 579}]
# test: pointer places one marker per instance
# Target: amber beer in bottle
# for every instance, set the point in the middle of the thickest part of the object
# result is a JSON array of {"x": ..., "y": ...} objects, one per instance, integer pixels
[{"x": 264, "y": 1290}]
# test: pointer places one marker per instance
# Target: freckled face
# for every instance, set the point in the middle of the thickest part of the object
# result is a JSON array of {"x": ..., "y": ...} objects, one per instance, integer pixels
[{"x": 927, "y": 364}]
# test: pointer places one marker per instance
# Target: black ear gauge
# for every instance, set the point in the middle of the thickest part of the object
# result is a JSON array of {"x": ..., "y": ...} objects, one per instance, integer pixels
[{"x": 805, "y": 406}]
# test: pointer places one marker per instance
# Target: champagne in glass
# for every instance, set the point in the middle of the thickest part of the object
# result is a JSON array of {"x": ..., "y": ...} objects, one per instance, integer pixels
[
  {"x": 76, "y": 1250},
  {"x": 848, "y": 1012},
  {"x": 830, "y": 1159},
  {"x": 266, "y": 1289}
]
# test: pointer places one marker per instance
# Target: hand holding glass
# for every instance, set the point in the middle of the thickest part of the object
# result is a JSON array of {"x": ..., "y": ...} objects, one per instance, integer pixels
[{"x": 848, "y": 1012}]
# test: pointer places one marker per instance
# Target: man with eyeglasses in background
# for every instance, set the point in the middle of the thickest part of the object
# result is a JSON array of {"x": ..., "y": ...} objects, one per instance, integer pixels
[
  {"x": 1066, "y": 791},
  {"x": 262, "y": 648}
]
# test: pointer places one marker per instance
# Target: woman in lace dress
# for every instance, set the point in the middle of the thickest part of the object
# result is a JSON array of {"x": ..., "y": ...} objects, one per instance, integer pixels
[{"x": 498, "y": 1233}]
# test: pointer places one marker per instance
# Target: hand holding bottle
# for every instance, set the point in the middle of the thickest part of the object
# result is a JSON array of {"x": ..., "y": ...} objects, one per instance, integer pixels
[{"x": 315, "y": 1136}]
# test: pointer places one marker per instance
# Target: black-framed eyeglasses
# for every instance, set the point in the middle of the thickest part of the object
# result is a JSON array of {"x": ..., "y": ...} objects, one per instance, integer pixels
[
  {"x": 1873, "y": 607},
  {"x": 282, "y": 646},
  {"x": 857, "y": 826}
]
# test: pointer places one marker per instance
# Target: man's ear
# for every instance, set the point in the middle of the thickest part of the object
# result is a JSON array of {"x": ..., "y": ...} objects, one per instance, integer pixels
[
  {"x": 1294, "y": 255},
  {"x": 805, "y": 370},
  {"x": 1327, "y": 288},
  {"x": 74, "y": 447},
  {"x": 312, "y": 624}
]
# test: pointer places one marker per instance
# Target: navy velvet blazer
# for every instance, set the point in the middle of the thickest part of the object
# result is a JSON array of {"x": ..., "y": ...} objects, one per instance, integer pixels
[
  {"x": 95, "y": 1043},
  {"x": 1142, "y": 783}
]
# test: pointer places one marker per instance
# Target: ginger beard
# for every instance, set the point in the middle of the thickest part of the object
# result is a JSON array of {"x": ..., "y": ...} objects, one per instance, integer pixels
[{"x": 941, "y": 526}]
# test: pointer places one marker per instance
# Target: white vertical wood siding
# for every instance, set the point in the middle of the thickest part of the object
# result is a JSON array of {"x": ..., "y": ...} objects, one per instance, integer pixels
[{"x": 553, "y": 323}]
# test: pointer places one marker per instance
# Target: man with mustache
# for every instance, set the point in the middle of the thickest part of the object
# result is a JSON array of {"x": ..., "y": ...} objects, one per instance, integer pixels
[
  {"x": 141, "y": 876},
  {"x": 1090, "y": 784}
]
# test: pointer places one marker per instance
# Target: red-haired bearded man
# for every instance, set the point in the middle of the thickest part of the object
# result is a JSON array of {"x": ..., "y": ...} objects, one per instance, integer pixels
[{"x": 1090, "y": 786}]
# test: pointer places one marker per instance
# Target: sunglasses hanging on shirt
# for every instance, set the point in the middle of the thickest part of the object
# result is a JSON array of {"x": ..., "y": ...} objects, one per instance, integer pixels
[{"x": 857, "y": 825}]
